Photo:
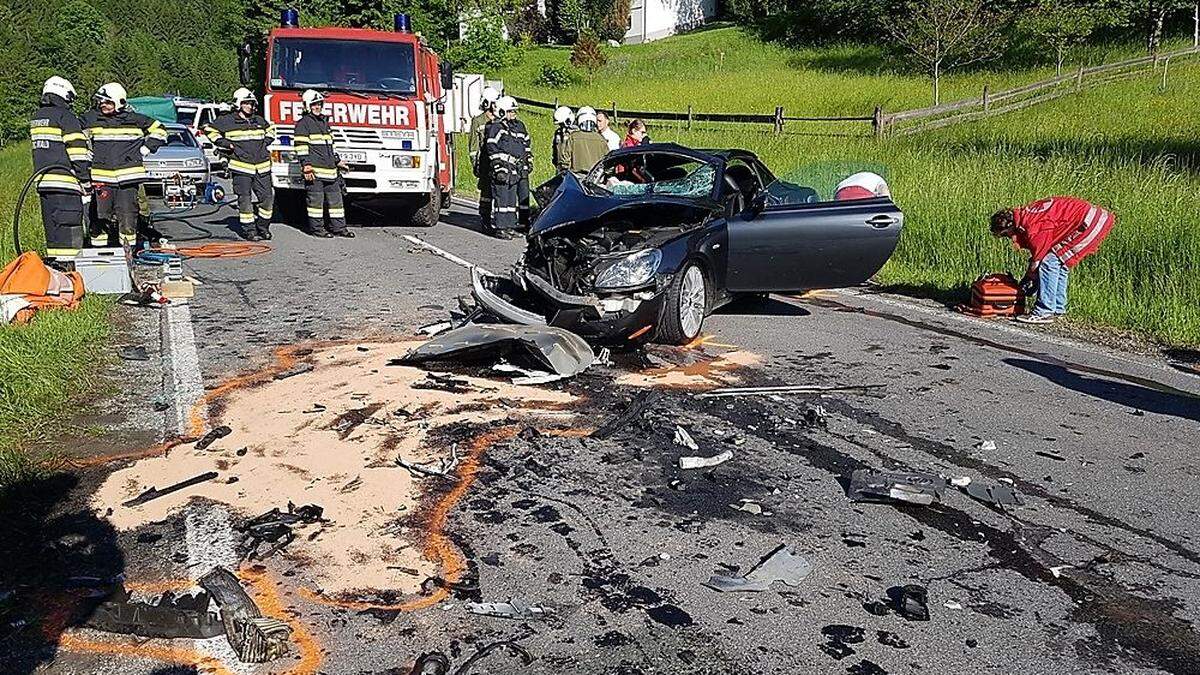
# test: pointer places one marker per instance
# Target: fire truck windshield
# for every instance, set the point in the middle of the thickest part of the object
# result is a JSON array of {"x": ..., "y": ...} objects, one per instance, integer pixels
[{"x": 352, "y": 65}]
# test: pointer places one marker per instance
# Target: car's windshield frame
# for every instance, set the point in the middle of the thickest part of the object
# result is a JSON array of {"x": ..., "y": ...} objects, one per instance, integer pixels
[
  {"x": 346, "y": 52},
  {"x": 592, "y": 180}
]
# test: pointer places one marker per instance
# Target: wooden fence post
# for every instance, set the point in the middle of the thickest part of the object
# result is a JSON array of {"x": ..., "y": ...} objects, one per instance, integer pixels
[
  {"x": 779, "y": 119},
  {"x": 556, "y": 103},
  {"x": 877, "y": 121},
  {"x": 1166, "y": 63},
  {"x": 689, "y": 119},
  {"x": 987, "y": 100},
  {"x": 1079, "y": 79},
  {"x": 613, "y": 116}
]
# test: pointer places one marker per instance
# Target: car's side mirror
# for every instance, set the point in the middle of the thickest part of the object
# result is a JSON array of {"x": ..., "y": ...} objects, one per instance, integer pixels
[
  {"x": 244, "y": 64},
  {"x": 447, "y": 74}
]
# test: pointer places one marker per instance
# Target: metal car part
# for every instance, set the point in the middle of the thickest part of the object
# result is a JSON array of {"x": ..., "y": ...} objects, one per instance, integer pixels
[
  {"x": 782, "y": 564},
  {"x": 560, "y": 350}
]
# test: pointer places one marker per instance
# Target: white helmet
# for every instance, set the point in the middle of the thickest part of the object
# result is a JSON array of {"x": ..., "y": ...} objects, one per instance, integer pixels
[
  {"x": 113, "y": 92},
  {"x": 488, "y": 98},
  {"x": 60, "y": 87},
  {"x": 242, "y": 95},
  {"x": 585, "y": 115},
  {"x": 310, "y": 97},
  {"x": 506, "y": 104},
  {"x": 563, "y": 115}
]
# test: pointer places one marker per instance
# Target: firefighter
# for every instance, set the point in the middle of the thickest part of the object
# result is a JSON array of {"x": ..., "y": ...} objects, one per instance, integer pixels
[
  {"x": 120, "y": 139},
  {"x": 487, "y": 108},
  {"x": 564, "y": 124},
  {"x": 314, "y": 147},
  {"x": 510, "y": 158},
  {"x": 245, "y": 137},
  {"x": 585, "y": 146},
  {"x": 60, "y": 151},
  {"x": 1058, "y": 232}
]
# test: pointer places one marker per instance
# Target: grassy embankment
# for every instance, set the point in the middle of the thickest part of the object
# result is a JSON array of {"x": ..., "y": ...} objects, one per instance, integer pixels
[
  {"x": 1126, "y": 146},
  {"x": 45, "y": 365}
]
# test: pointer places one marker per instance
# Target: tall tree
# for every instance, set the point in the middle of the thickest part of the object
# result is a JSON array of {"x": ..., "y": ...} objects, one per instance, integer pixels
[
  {"x": 945, "y": 34},
  {"x": 1063, "y": 24}
]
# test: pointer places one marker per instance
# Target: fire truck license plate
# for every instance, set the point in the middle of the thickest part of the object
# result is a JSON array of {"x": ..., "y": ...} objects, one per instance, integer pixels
[{"x": 353, "y": 157}]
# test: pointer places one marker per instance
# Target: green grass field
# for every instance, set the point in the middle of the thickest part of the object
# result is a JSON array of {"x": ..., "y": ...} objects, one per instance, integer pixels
[
  {"x": 1125, "y": 146},
  {"x": 46, "y": 365}
]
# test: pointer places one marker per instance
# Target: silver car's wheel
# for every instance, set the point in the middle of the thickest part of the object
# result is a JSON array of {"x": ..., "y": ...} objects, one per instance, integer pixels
[{"x": 693, "y": 301}]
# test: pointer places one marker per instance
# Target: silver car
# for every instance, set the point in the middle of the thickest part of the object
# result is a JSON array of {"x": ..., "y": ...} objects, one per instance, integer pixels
[{"x": 179, "y": 169}]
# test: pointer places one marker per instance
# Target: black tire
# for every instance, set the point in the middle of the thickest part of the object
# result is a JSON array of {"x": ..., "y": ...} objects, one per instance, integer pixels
[
  {"x": 428, "y": 210},
  {"x": 673, "y": 328}
]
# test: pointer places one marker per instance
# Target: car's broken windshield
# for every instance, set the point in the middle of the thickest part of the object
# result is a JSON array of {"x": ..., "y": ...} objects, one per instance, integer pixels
[{"x": 654, "y": 174}]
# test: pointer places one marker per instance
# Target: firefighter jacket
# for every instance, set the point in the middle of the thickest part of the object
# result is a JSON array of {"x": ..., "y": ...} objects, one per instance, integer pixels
[
  {"x": 583, "y": 150},
  {"x": 117, "y": 142},
  {"x": 1068, "y": 227},
  {"x": 314, "y": 146},
  {"x": 476, "y": 140},
  {"x": 508, "y": 150},
  {"x": 247, "y": 140},
  {"x": 558, "y": 143},
  {"x": 59, "y": 146}
]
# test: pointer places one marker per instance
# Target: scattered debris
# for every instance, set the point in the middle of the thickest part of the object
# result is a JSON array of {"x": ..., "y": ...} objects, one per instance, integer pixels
[
  {"x": 687, "y": 463},
  {"x": 298, "y": 369},
  {"x": 526, "y": 375},
  {"x": 513, "y": 609},
  {"x": 910, "y": 601},
  {"x": 432, "y": 663},
  {"x": 960, "y": 481},
  {"x": 137, "y": 353},
  {"x": 443, "y": 468},
  {"x": 445, "y": 382},
  {"x": 183, "y": 616},
  {"x": 1057, "y": 570},
  {"x": 815, "y": 417},
  {"x": 562, "y": 351},
  {"x": 154, "y": 493},
  {"x": 793, "y": 389},
  {"x": 255, "y": 638},
  {"x": 1050, "y": 455},
  {"x": 509, "y": 645},
  {"x": 682, "y": 437},
  {"x": 275, "y": 527},
  {"x": 750, "y": 506},
  {"x": 635, "y": 410},
  {"x": 212, "y": 437},
  {"x": 998, "y": 495},
  {"x": 868, "y": 485},
  {"x": 986, "y": 446},
  {"x": 782, "y": 564},
  {"x": 435, "y": 328},
  {"x": 953, "y": 604}
]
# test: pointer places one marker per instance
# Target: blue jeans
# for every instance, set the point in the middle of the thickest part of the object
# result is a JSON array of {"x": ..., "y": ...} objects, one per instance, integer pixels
[{"x": 1052, "y": 286}]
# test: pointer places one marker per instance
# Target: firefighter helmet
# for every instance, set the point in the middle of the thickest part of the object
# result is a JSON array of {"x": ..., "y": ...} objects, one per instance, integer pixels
[
  {"x": 563, "y": 115},
  {"x": 586, "y": 118},
  {"x": 488, "y": 98},
  {"x": 114, "y": 93},
  {"x": 310, "y": 97},
  {"x": 60, "y": 87},
  {"x": 506, "y": 104},
  {"x": 242, "y": 95}
]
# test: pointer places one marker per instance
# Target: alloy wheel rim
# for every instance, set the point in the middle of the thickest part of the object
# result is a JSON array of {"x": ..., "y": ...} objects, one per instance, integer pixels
[{"x": 692, "y": 301}]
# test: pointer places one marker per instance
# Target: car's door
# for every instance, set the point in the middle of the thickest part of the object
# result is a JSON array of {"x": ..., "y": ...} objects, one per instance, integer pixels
[{"x": 794, "y": 247}]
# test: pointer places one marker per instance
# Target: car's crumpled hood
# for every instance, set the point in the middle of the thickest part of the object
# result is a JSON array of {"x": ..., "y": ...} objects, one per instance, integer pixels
[{"x": 571, "y": 210}]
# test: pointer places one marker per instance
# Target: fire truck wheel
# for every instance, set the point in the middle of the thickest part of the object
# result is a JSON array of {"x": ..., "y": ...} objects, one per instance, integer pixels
[{"x": 428, "y": 209}]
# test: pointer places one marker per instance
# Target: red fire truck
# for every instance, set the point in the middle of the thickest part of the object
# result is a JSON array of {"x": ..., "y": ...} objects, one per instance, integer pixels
[{"x": 385, "y": 99}]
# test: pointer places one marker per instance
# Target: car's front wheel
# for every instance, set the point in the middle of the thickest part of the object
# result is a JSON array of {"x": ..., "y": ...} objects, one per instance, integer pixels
[{"x": 684, "y": 307}]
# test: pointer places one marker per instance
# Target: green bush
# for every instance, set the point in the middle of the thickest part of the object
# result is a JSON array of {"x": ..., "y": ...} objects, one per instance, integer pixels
[
  {"x": 483, "y": 48},
  {"x": 587, "y": 54},
  {"x": 556, "y": 76}
]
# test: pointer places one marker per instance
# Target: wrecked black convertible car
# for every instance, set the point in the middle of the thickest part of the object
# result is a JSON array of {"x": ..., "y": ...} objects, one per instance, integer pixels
[{"x": 656, "y": 237}]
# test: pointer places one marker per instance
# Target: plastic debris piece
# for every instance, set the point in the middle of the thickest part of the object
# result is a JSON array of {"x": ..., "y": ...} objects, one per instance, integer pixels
[
  {"x": 154, "y": 493},
  {"x": 910, "y": 602},
  {"x": 254, "y": 638},
  {"x": 953, "y": 604},
  {"x": 513, "y": 609},
  {"x": 782, "y": 565},
  {"x": 137, "y": 353},
  {"x": 867, "y": 485},
  {"x": 998, "y": 495},
  {"x": 443, "y": 468},
  {"x": 1057, "y": 570},
  {"x": 635, "y": 410},
  {"x": 184, "y": 616},
  {"x": 687, "y": 463},
  {"x": 986, "y": 446},
  {"x": 212, "y": 437},
  {"x": 682, "y": 437},
  {"x": 557, "y": 349}
]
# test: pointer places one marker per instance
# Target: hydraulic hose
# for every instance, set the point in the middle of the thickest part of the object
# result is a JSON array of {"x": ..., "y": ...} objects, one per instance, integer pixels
[{"x": 16, "y": 226}]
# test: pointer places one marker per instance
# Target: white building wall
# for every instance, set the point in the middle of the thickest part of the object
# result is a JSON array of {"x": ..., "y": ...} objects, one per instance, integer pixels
[{"x": 654, "y": 19}]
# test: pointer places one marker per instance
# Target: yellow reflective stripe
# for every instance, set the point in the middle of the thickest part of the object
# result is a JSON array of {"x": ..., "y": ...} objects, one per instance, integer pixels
[
  {"x": 157, "y": 130},
  {"x": 301, "y": 150},
  {"x": 115, "y": 134},
  {"x": 79, "y": 153},
  {"x": 246, "y": 218},
  {"x": 127, "y": 239},
  {"x": 246, "y": 134},
  {"x": 322, "y": 172},
  {"x": 60, "y": 176},
  {"x": 249, "y": 167},
  {"x": 46, "y": 131},
  {"x": 60, "y": 252},
  {"x": 74, "y": 136},
  {"x": 118, "y": 172},
  {"x": 337, "y": 213},
  {"x": 265, "y": 214},
  {"x": 213, "y": 133},
  {"x": 315, "y": 213}
]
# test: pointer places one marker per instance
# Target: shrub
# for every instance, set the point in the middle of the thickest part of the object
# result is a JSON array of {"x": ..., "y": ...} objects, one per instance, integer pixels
[
  {"x": 555, "y": 76},
  {"x": 587, "y": 54},
  {"x": 483, "y": 48}
]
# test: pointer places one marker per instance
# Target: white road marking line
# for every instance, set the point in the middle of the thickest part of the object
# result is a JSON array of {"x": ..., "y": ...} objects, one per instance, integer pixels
[
  {"x": 446, "y": 254},
  {"x": 208, "y": 530},
  {"x": 1003, "y": 328}
]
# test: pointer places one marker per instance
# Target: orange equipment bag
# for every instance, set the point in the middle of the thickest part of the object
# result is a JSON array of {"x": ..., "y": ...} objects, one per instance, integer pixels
[
  {"x": 995, "y": 295},
  {"x": 37, "y": 286}
]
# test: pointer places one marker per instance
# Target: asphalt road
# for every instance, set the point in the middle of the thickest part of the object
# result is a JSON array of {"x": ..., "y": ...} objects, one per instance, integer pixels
[{"x": 1098, "y": 571}]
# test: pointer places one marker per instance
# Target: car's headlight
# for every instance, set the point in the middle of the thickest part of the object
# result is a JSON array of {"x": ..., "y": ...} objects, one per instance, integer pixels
[
  {"x": 632, "y": 270},
  {"x": 194, "y": 163}
]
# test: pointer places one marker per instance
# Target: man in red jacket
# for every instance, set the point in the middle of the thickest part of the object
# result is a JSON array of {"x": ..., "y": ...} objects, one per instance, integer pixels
[{"x": 1058, "y": 232}]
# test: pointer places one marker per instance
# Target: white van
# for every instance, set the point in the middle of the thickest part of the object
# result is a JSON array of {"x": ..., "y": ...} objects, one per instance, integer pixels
[{"x": 195, "y": 114}]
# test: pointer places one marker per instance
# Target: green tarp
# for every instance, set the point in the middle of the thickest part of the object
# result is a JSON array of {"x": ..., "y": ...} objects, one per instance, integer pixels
[{"x": 158, "y": 107}]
